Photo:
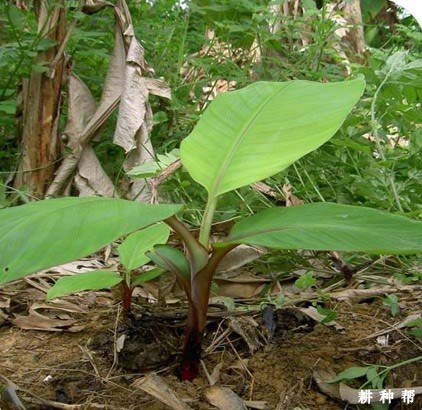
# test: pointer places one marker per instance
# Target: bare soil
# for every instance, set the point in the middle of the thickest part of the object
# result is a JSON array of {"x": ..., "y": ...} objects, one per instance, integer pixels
[{"x": 83, "y": 367}]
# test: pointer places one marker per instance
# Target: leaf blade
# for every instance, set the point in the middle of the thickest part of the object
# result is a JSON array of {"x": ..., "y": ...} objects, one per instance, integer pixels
[
  {"x": 267, "y": 126},
  {"x": 133, "y": 248},
  {"x": 48, "y": 233},
  {"x": 327, "y": 226},
  {"x": 351, "y": 373},
  {"x": 147, "y": 276},
  {"x": 170, "y": 259},
  {"x": 95, "y": 280}
]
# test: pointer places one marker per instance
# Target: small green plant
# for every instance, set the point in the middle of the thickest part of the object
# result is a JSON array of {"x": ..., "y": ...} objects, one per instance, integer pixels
[
  {"x": 243, "y": 137},
  {"x": 415, "y": 328},
  {"x": 305, "y": 281},
  {"x": 373, "y": 375},
  {"x": 327, "y": 314},
  {"x": 132, "y": 252},
  {"x": 374, "y": 378},
  {"x": 152, "y": 168},
  {"x": 392, "y": 302}
]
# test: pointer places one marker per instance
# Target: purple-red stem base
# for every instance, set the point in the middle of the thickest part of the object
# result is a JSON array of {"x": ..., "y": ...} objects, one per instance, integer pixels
[
  {"x": 126, "y": 297},
  {"x": 189, "y": 368}
]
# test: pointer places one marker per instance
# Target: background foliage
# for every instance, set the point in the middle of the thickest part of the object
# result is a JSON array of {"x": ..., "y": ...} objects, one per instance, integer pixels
[{"x": 348, "y": 169}]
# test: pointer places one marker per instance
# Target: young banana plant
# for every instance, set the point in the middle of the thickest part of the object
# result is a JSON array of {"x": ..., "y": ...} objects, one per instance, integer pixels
[{"x": 243, "y": 137}]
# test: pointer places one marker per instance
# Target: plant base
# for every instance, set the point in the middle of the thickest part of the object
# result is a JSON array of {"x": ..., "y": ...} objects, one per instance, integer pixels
[{"x": 189, "y": 368}]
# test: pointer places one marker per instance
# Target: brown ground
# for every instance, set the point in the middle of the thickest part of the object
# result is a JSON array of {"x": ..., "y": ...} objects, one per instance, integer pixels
[{"x": 279, "y": 373}]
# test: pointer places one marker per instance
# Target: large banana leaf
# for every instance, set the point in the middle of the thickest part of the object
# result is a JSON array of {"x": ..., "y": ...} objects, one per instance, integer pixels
[
  {"x": 326, "y": 226},
  {"x": 48, "y": 233},
  {"x": 250, "y": 134}
]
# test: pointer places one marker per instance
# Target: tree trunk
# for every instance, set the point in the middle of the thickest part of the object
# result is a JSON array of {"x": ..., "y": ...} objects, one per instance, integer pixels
[
  {"x": 355, "y": 35},
  {"x": 40, "y": 143}
]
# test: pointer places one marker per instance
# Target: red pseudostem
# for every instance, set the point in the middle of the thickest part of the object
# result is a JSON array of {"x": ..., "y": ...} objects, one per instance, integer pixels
[
  {"x": 197, "y": 318},
  {"x": 126, "y": 297}
]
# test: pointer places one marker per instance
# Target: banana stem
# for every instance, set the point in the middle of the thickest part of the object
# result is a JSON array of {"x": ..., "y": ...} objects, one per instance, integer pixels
[
  {"x": 197, "y": 318},
  {"x": 205, "y": 231}
]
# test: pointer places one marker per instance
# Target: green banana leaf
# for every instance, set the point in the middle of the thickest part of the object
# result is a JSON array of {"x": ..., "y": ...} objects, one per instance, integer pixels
[
  {"x": 250, "y": 134},
  {"x": 132, "y": 249},
  {"x": 95, "y": 280},
  {"x": 327, "y": 226},
  {"x": 47, "y": 233},
  {"x": 170, "y": 259}
]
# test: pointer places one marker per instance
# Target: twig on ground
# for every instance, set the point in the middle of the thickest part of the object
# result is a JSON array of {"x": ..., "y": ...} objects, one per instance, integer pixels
[
  {"x": 115, "y": 352},
  {"x": 91, "y": 360},
  {"x": 242, "y": 363},
  {"x": 204, "y": 368}
]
